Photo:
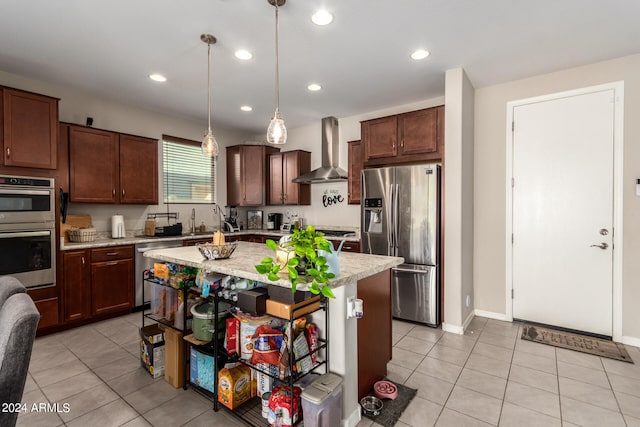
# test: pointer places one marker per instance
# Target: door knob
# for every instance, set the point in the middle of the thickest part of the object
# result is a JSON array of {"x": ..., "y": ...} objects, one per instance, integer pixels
[{"x": 602, "y": 246}]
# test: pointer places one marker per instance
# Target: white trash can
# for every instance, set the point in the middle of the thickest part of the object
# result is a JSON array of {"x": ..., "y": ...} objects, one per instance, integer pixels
[{"x": 322, "y": 402}]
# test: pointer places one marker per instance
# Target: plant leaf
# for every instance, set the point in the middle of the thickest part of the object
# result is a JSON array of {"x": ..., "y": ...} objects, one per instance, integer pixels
[
  {"x": 327, "y": 292},
  {"x": 262, "y": 269},
  {"x": 314, "y": 288},
  {"x": 293, "y": 273},
  {"x": 273, "y": 277},
  {"x": 271, "y": 244},
  {"x": 293, "y": 285},
  {"x": 293, "y": 261}
]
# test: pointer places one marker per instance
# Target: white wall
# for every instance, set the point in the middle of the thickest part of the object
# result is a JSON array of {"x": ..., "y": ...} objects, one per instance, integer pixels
[
  {"x": 108, "y": 114},
  {"x": 458, "y": 200},
  {"x": 490, "y": 179}
]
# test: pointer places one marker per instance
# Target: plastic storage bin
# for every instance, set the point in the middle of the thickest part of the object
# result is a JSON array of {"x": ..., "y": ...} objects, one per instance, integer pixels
[{"x": 322, "y": 402}]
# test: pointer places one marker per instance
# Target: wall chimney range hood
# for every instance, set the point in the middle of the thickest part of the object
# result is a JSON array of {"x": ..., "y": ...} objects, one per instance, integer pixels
[{"x": 330, "y": 170}]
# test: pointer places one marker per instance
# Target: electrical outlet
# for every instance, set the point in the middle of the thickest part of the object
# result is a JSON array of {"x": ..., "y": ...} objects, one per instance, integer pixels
[{"x": 468, "y": 300}]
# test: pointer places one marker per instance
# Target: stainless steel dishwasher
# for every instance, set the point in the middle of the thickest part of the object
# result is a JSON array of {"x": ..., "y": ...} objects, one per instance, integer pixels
[{"x": 143, "y": 263}]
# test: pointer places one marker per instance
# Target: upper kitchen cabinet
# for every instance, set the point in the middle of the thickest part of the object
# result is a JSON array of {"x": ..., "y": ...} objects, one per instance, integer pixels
[
  {"x": 284, "y": 167},
  {"x": 93, "y": 175},
  {"x": 107, "y": 167},
  {"x": 29, "y": 124},
  {"x": 355, "y": 169},
  {"x": 247, "y": 174},
  {"x": 403, "y": 138},
  {"x": 138, "y": 170}
]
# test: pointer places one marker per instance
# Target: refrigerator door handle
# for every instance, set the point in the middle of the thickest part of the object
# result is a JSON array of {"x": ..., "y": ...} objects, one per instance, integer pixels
[
  {"x": 396, "y": 215},
  {"x": 390, "y": 223}
]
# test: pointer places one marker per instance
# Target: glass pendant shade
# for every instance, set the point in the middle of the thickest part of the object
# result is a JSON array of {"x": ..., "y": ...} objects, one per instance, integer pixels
[
  {"x": 210, "y": 145},
  {"x": 277, "y": 131}
]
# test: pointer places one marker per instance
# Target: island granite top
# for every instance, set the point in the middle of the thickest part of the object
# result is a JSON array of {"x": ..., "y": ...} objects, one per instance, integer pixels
[{"x": 353, "y": 266}]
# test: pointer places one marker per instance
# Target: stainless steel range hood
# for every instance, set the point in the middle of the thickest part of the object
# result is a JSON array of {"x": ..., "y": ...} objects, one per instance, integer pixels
[{"x": 330, "y": 170}]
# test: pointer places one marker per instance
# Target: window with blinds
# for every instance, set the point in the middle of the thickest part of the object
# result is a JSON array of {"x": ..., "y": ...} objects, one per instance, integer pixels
[{"x": 189, "y": 175}]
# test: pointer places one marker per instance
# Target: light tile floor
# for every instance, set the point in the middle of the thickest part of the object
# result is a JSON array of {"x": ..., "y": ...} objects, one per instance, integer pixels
[{"x": 486, "y": 377}]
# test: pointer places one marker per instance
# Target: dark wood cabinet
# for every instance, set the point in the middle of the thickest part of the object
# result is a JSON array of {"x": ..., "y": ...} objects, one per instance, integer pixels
[
  {"x": 348, "y": 246},
  {"x": 112, "y": 280},
  {"x": 355, "y": 168},
  {"x": 193, "y": 242},
  {"x": 76, "y": 285},
  {"x": 247, "y": 174},
  {"x": 93, "y": 173},
  {"x": 404, "y": 138},
  {"x": 284, "y": 167},
  {"x": 138, "y": 163},
  {"x": 49, "y": 314},
  {"x": 28, "y": 129},
  {"x": 107, "y": 167},
  {"x": 374, "y": 330}
]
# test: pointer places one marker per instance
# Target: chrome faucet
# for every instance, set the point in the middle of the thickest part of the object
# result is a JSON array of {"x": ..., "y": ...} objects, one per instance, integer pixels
[{"x": 193, "y": 221}]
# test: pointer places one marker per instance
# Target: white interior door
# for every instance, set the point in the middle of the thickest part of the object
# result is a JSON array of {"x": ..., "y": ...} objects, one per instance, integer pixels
[{"x": 563, "y": 158}]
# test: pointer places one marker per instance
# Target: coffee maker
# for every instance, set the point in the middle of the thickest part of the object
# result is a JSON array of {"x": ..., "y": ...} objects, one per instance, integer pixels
[
  {"x": 231, "y": 223},
  {"x": 274, "y": 221}
]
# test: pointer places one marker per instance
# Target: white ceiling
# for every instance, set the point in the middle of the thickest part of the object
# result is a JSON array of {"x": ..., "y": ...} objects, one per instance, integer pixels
[{"x": 361, "y": 59}]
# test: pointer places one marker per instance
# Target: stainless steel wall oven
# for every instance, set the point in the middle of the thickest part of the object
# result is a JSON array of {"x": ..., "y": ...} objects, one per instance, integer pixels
[{"x": 27, "y": 230}]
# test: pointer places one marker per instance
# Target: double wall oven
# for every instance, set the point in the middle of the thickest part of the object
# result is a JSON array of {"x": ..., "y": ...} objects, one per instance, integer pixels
[{"x": 27, "y": 230}]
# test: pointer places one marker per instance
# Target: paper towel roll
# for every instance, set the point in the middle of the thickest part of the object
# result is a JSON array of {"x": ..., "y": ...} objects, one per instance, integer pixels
[{"x": 117, "y": 227}]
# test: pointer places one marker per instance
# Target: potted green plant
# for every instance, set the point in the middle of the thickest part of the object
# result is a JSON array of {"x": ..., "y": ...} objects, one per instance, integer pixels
[{"x": 299, "y": 255}]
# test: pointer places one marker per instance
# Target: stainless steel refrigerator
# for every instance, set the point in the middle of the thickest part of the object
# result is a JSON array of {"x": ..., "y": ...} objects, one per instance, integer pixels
[{"x": 401, "y": 217}]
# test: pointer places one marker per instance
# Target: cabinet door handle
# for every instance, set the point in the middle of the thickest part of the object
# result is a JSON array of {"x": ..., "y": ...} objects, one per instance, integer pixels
[
  {"x": 8, "y": 152},
  {"x": 112, "y": 253},
  {"x": 82, "y": 260},
  {"x": 402, "y": 142},
  {"x": 113, "y": 192},
  {"x": 123, "y": 192}
]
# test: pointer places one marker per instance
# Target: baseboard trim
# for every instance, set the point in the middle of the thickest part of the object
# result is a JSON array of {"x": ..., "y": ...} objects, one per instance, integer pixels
[
  {"x": 631, "y": 341},
  {"x": 468, "y": 320},
  {"x": 491, "y": 315},
  {"x": 454, "y": 329},
  {"x": 353, "y": 419}
]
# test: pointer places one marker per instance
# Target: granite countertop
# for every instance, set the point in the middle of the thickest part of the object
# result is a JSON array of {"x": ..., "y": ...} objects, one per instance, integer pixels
[
  {"x": 353, "y": 266},
  {"x": 133, "y": 238}
]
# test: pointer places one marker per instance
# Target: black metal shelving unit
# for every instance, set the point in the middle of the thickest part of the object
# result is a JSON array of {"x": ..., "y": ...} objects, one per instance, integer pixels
[{"x": 249, "y": 412}]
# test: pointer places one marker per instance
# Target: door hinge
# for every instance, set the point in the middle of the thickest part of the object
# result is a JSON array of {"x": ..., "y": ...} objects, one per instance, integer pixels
[
  {"x": 511, "y": 293},
  {"x": 513, "y": 182},
  {"x": 513, "y": 126},
  {"x": 512, "y": 238}
]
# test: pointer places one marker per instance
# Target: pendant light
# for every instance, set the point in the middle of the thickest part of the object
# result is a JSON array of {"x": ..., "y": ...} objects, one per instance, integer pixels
[
  {"x": 277, "y": 131},
  {"x": 209, "y": 143}
]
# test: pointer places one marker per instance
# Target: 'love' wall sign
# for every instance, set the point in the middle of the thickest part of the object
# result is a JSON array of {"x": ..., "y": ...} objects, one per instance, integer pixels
[{"x": 331, "y": 197}]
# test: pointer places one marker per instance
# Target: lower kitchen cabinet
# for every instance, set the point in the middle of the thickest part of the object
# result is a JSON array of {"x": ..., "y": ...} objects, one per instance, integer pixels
[
  {"x": 348, "y": 246},
  {"x": 76, "y": 289},
  {"x": 97, "y": 282}
]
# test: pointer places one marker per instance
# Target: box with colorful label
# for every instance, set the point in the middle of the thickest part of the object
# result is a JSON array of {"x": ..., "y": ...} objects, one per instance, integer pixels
[
  {"x": 152, "y": 350},
  {"x": 202, "y": 369}
]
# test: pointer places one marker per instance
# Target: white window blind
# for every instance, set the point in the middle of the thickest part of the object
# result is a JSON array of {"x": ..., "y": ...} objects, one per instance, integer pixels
[{"x": 189, "y": 175}]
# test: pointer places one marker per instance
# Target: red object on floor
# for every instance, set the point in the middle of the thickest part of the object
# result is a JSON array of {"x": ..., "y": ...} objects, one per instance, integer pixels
[{"x": 385, "y": 390}]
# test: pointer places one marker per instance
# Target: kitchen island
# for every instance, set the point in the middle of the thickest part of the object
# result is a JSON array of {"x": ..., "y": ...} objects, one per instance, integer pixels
[{"x": 344, "y": 332}]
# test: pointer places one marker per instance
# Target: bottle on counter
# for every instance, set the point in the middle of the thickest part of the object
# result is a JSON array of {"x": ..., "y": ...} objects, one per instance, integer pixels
[{"x": 203, "y": 227}]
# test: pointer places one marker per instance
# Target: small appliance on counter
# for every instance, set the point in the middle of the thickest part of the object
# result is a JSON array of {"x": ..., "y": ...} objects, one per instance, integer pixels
[
  {"x": 274, "y": 221},
  {"x": 117, "y": 227},
  {"x": 169, "y": 230},
  {"x": 231, "y": 224}
]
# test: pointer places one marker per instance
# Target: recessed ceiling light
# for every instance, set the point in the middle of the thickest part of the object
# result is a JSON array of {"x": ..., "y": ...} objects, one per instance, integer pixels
[
  {"x": 246, "y": 108},
  {"x": 157, "y": 77},
  {"x": 314, "y": 87},
  {"x": 419, "y": 54},
  {"x": 322, "y": 17},
  {"x": 243, "y": 54}
]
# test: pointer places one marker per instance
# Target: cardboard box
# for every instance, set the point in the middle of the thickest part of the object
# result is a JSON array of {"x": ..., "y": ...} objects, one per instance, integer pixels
[
  {"x": 282, "y": 294},
  {"x": 287, "y": 311},
  {"x": 152, "y": 350},
  {"x": 202, "y": 369},
  {"x": 174, "y": 357}
]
